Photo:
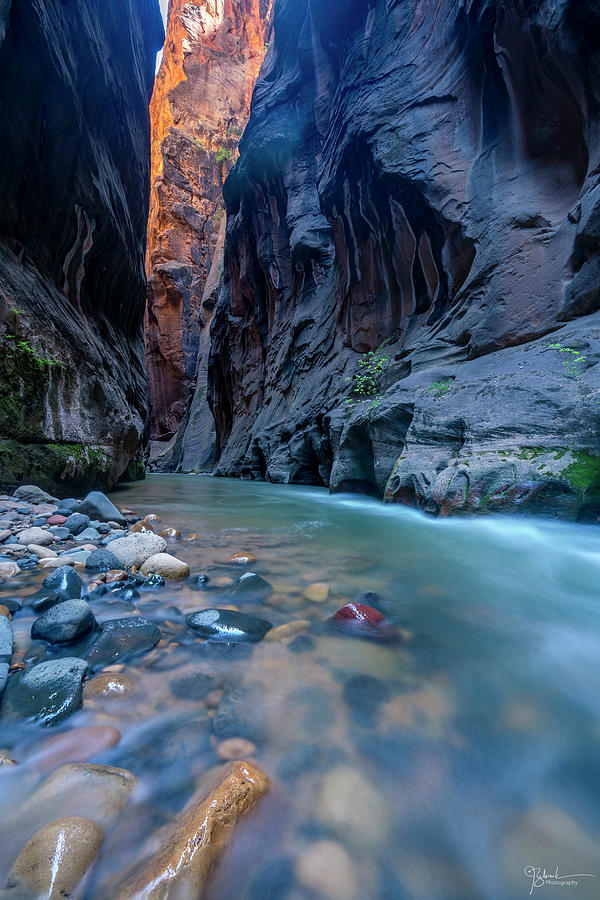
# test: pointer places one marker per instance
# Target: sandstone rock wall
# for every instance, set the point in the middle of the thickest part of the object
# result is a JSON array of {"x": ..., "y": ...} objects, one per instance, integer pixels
[
  {"x": 75, "y": 82},
  {"x": 427, "y": 175},
  {"x": 201, "y": 101}
]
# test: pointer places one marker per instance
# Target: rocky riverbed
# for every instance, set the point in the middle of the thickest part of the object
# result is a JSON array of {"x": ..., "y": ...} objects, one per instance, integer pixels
[{"x": 323, "y": 697}]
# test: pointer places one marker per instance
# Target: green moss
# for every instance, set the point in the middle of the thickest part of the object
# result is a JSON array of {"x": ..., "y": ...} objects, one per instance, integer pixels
[
  {"x": 55, "y": 467},
  {"x": 584, "y": 475},
  {"x": 135, "y": 471},
  {"x": 531, "y": 452}
]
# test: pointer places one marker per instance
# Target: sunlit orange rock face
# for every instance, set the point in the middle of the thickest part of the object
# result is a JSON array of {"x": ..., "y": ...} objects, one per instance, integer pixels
[{"x": 201, "y": 102}]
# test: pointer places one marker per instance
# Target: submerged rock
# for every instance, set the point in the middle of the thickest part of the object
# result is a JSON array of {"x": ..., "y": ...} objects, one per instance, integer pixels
[
  {"x": 317, "y": 592},
  {"x": 64, "y": 623},
  {"x": 120, "y": 639},
  {"x": 359, "y": 613},
  {"x": 54, "y": 861},
  {"x": 74, "y": 746},
  {"x": 227, "y": 625},
  {"x": 79, "y": 789},
  {"x": 352, "y": 807},
  {"x": 289, "y": 630},
  {"x": 114, "y": 686},
  {"x": 253, "y": 585},
  {"x": 327, "y": 870},
  {"x": 48, "y": 693},
  {"x": 185, "y": 862},
  {"x": 235, "y": 748}
]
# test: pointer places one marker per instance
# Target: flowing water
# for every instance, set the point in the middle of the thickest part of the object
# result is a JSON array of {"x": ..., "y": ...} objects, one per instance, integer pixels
[{"x": 440, "y": 766}]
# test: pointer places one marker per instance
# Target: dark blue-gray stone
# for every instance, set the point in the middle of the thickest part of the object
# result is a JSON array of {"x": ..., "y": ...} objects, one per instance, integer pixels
[
  {"x": 89, "y": 534},
  {"x": 252, "y": 585},
  {"x": 227, "y": 625},
  {"x": 120, "y": 638},
  {"x": 48, "y": 692},
  {"x": 65, "y": 581},
  {"x": 102, "y": 560},
  {"x": 60, "y": 532},
  {"x": 76, "y": 522},
  {"x": 66, "y": 507},
  {"x": 98, "y": 506},
  {"x": 66, "y": 622}
]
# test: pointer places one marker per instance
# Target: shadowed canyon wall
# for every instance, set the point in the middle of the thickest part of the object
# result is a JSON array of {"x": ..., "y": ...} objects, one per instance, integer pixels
[
  {"x": 427, "y": 175},
  {"x": 75, "y": 82},
  {"x": 201, "y": 101}
]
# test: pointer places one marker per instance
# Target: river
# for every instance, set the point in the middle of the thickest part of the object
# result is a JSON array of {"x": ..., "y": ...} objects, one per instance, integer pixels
[{"x": 455, "y": 763}]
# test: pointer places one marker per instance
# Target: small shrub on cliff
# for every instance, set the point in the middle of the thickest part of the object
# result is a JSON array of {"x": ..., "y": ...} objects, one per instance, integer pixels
[
  {"x": 366, "y": 382},
  {"x": 223, "y": 155},
  {"x": 440, "y": 387},
  {"x": 570, "y": 360}
]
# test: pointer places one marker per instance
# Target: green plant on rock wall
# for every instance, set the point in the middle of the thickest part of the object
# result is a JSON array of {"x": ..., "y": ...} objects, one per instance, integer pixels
[
  {"x": 570, "y": 360},
  {"x": 365, "y": 383},
  {"x": 440, "y": 387},
  {"x": 223, "y": 155}
]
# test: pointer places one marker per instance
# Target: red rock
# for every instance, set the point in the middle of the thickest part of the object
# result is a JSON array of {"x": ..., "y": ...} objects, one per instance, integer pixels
[
  {"x": 358, "y": 612},
  {"x": 56, "y": 520},
  {"x": 201, "y": 102}
]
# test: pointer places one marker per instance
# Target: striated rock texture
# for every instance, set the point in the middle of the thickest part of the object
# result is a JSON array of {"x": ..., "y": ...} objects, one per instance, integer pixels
[
  {"x": 201, "y": 101},
  {"x": 424, "y": 174},
  {"x": 74, "y": 182}
]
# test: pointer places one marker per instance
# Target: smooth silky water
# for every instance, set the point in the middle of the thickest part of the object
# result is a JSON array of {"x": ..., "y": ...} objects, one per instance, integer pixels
[{"x": 440, "y": 767}]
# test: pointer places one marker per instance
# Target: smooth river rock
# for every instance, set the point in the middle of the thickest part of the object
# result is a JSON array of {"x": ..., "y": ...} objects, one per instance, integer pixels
[
  {"x": 40, "y": 536},
  {"x": 253, "y": 586},
  {"x": 74, "y": 746},
  {"x": 30, "y": 493},
  {"x": 135, "y": 549},
  {"x": 120, "y": 639},
  {"x": 79, "y": 789},
  {"x": 352, "y": 807},
  {"x": 54, "y": 861},
  {"x": 327, "y": 870},
  {"x": 227, "y": 625},
  {"x": 183, "y": 865},
  {"x": 360, "y": 614},
  {"x": 166, "y": 565},
  {"x": 97, "y": 506},
  {"x": 65, "y": 581},
  {"x": 48, "y": 693},
  {"x": 64, "y": 623},
  {"x": 77, "y": 523}
]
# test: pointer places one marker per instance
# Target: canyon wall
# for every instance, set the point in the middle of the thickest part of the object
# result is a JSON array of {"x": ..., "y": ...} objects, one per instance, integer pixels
[
  {"x": 201, "y": 101},
  {"x": 426, "y": 176},
  {"x": 75, "y": 82}
]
